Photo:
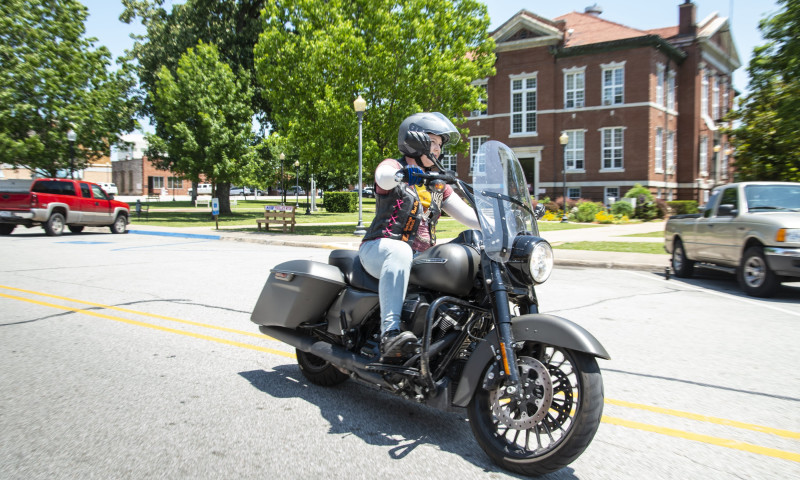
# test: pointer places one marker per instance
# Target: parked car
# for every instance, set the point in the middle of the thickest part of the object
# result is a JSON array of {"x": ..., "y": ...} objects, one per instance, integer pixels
[
  {"x": 367, "y": 192},
  {"x": 110, "y": 188},
  {"x": 295, "y": 191},
  {"x": 202, "y": 189},
  {"x": 240, "y": 191}
]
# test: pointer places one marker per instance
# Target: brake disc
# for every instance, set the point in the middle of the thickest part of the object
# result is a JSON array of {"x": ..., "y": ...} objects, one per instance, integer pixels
[{"x": 525, "y": 411}]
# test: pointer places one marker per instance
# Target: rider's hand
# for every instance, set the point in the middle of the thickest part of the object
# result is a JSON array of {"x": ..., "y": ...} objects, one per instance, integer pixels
[
  {"x": 420, "y": 142},
  {"x": 410, "y": 175}
]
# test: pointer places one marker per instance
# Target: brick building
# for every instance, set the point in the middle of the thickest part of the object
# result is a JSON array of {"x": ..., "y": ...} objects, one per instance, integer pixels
[
  {"x": 135, "y": 174},
  {"x": 636, "y": 106}
]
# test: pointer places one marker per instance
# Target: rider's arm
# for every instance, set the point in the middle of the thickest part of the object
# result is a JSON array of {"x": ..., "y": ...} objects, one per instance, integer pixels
[{"x": 458, "y": 209}]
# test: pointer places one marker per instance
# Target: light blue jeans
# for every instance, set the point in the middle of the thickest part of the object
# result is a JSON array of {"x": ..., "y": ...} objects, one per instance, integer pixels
[{"x": 390, "y": 262}]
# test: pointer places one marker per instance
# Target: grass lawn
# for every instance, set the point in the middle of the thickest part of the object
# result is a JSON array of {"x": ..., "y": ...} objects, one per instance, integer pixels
[{"x": 627, "y": 247}]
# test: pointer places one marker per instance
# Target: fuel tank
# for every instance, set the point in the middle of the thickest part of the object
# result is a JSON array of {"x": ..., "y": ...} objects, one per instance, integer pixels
[{"x": 448, "y": 268}]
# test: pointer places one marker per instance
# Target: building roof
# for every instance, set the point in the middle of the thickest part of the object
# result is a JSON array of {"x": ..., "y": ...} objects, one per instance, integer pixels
[{"x": 588, "y": 29}]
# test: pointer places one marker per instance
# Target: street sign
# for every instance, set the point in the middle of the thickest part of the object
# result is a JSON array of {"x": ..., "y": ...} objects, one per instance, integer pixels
[{"x": 215, "y": 206}]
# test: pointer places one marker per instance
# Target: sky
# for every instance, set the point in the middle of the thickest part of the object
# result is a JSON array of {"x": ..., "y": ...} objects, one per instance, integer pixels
[{"x": 744, "y": 15}]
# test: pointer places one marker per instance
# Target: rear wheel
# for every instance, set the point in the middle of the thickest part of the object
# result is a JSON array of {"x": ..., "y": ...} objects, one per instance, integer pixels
[
  {"x": 553, "y": 421},
  {"x": 6, "y": 228},
  {"x": 755, "y": 276},
  {"x": 120, "y": 224},
  {"x": 319, "y": 371},
  {"x": 682, "y": 266},
  {"x": 54, "y": 225},
  {"x": 75, "y": 228}
]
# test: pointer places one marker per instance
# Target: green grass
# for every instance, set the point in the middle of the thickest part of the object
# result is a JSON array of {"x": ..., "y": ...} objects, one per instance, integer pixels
[
  {"x": 626, "y": 247},
  {"x": 659, "y": 234}
]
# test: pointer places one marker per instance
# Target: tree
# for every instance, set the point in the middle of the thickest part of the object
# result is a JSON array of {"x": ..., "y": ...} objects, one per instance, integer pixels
[
  {"x": 403, "y": 56},
  {"x": 766, "y": 140},
  {"x": 205, "y": 117},
  {"x": 52, "y": 80}
]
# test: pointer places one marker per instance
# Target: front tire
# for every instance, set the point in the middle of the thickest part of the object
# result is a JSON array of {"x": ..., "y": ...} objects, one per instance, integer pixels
[
  {"x": 681, "y": 265},
  {"x": 755, "y": 276},
  {"x": 54, "y": 226},
  {"x": 555, "y": 422},
  {"x": 319, "y": 371},
  {"x": 6, "y": 228},
  {"x": 120, "y": 224}
]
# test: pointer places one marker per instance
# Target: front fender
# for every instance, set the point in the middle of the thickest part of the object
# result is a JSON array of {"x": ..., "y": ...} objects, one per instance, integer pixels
[{"x": 547, "y": 329}]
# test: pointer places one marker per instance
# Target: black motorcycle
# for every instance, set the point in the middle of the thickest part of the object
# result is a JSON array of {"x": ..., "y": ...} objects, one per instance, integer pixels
[{"x": 529, "y": 381}]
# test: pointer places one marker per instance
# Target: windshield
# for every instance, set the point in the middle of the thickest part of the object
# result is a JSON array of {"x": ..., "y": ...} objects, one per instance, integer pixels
[
  {"x": 773, "y": 197},
  {"x": 502, "y": 199}
]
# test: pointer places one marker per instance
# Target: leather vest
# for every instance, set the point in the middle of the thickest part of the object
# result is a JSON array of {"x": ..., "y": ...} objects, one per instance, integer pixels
[{"x": 398, "y": 215}]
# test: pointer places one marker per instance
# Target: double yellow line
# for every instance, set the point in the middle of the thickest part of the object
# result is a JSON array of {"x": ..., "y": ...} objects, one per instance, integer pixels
[{"x": 721, "y": 442}]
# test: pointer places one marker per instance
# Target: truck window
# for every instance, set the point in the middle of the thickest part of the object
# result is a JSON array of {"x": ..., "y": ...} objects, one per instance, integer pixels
[
  {"x": 98, "y": 192},
  {"x": 730, "y": 196},
  {"x": 85, "y": 192},
  {"x": 54, "y": 187},
  {"x": 708, "y": 210}
]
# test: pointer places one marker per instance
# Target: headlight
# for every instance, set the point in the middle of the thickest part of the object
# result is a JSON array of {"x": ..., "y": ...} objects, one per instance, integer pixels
[
  {"x": 531, "y": 260},
  {"x": 790, "y": 235}
]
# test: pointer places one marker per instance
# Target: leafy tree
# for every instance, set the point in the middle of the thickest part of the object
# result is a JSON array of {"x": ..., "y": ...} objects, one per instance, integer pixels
[
  {"x": 403, "y": 56},
  {"x": 766, "y": 140},
  {"x": 204, "y": 113},
  {"x": 52, "y": 80}
]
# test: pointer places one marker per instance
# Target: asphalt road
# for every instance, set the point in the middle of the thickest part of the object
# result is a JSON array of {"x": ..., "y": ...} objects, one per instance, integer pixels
[{"x": 132, "y": 356}]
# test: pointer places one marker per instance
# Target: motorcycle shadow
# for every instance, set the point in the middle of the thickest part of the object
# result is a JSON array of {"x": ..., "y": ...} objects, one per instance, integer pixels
[{"x": 381, "y": 419}]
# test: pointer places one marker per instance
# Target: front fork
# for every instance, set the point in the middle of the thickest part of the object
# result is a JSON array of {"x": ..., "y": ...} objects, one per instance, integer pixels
[{"x": 502, "y": 313}]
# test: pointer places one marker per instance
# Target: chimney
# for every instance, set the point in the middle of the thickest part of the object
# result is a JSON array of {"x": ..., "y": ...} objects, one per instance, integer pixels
[
  {"x": 595, "y": 10},
  {"x": 686, "y": 19}
]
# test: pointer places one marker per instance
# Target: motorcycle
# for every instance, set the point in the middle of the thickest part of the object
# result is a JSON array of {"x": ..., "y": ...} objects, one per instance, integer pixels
[{"x": 529, "y": 382}]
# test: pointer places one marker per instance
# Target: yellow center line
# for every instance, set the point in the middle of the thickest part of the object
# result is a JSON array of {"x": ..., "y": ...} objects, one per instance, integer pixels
[
  {"x": 720, "y": 442},
  {"x": 707, "y": 419},
  {"x": 136, "y": 312},
  {"x": 154, "y": 327}
]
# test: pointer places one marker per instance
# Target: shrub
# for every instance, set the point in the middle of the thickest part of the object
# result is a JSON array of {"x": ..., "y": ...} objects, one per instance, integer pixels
[
  {"x": 646, "y": 208},
  {"x": 341, "y": 202},
  {"x": 604, "y": 217},
  {"x": 587, "y": 211},
  {"x": 622, "y": 208},
  {"x": 550, "y": 216},
  {"x": 683, "y": 206}
]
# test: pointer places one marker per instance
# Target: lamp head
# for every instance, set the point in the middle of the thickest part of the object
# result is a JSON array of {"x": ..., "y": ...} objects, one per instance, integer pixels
[
  {"x": 359, "y": 104},
  {"x": 563, "y": 139}
]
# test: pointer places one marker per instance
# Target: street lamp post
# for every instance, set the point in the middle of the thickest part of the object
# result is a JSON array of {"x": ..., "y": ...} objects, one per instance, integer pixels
[
  {"x": 296, "y": 184},
  {"x": 360, "y": 105},
  {"x": 283, "y": 187},
  {"x": 563, "y": 140},
  {"x": 71, "y": 137},
  {"x": 308, "y": 201}
]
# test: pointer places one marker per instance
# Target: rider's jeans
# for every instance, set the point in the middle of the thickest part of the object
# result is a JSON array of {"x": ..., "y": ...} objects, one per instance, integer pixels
[{"x": 389, "y": 261}]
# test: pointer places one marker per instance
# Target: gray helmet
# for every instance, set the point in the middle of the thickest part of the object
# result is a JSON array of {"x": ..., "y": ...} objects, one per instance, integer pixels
[{"x": 428, "y": 122}]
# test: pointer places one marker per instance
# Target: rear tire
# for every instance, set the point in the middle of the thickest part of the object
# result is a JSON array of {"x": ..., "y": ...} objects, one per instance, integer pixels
[
  {"x": 681, "y": 265},
  {"x": 75, "y": 228},
  {"x": 120, "y": 224},
  {"x": 54, "y": 226},
  {"x": 319, "y": 371},
  {"x": 533, "y": 438},
  {"x": 6, "y": 228},
  {"x": 755, "y": 276}
]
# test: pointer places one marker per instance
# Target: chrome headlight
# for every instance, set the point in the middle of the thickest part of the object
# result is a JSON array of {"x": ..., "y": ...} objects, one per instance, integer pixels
[{"x": 531, "y": 260}]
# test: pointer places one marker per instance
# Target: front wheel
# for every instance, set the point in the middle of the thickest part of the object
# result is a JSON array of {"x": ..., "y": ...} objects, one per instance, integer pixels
[
  {"x": 551, "y": 423},
  {"x": 54, "y": 225},
  {"x": 120, "y": 224},
  {"x": 755, "y": 276},
  {"x": 319, "y": 371}
]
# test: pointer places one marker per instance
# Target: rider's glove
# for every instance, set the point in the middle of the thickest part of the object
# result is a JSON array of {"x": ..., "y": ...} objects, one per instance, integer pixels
[{"x": 410, "y": 175}]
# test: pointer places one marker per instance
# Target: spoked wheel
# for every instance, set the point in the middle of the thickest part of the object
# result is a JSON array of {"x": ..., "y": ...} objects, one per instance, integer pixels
[
  {"x": 318, "y": 370},
  {"x": 554, "y": 419}
]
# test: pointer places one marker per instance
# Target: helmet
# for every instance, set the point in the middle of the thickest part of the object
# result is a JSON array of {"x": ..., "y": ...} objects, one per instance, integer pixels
[{"x": 428, "y": 122}]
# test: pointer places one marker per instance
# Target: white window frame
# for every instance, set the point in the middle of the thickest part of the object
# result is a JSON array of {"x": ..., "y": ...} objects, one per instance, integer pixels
[
  {"x": 660, "y": 85},
  {"x": 704, "y": 156},
  {"x": 725, "y": 99},
  {"x": 704, "y": 94},
  {"x": 670, "y": 151},
  {"x": 659, "y": 150},
  {"x": 158, "y": 181},
  {"x": 613, "y": 91},
  {"x": 474, "y": 159},
  {"x": 449, "y": 160},
  {"x": 527, "y": 112},
  {"x": 174, "y": 182},
  {"x": 671, "y": 90},
  {"x": 484, "y": 99},
  {"x": 575, "y": 151},
  {"x": 607, "y": 192},
  {"x": 616, "y": 148},
  {"x": 574, "y": 193},
  {"x": 574, "y": 97},
  {"x": 715, "y": 97}
]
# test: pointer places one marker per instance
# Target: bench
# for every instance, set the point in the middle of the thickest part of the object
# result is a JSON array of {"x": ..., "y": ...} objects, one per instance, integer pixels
[
  {"x": 204, "y": 199},
  {"x": 151, "y": 197},
  {"x": 283, "y": 217}
]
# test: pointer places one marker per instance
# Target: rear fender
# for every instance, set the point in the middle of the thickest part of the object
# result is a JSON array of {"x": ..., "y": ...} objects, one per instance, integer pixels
[{"x": 547, "y": 329}]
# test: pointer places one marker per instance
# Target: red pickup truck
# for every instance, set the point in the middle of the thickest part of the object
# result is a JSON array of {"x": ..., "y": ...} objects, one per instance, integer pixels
[{"x": 55, "y": 203}]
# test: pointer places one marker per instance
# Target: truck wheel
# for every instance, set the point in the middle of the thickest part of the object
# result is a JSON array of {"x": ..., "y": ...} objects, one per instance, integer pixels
[
  {"x": 754, "y": 275},
  {"x": 120, "y": 224},
  {"x": 75, "y": 228},
  {"x": 682, "y": 266},
  {"x": 6, "y": 228},
  {"x": 54, "y": 225}
]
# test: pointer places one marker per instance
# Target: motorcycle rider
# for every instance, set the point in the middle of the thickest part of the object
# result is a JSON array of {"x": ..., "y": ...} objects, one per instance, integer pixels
[{"x": 406, "y": 213}]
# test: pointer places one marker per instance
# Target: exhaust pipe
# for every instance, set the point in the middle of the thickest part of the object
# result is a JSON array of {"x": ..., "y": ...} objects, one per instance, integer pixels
[{"x": 326, "y": 351}]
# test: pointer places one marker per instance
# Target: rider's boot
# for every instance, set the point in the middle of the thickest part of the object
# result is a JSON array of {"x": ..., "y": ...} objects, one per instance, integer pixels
[{"x": 396, "y": 344}]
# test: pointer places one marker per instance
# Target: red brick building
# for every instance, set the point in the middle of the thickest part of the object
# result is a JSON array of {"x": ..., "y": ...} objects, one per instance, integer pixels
[
  {"x": 636, "y": 106},
  {"x": 138, "y": 176}
]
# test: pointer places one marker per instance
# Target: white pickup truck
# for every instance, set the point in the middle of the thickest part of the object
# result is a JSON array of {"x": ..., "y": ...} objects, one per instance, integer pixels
[{"x": 751, "y": 229}]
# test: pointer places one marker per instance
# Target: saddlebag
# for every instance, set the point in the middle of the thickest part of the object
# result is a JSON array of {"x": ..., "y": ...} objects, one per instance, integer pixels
[{"x": 296, "y": 292}]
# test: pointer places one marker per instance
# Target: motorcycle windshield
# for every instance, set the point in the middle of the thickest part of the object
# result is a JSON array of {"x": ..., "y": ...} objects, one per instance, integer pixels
[{"x": 502, "y": 199}]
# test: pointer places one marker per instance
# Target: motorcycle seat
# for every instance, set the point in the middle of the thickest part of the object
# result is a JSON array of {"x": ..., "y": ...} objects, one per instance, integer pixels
[{"x": 354, "y": 274}]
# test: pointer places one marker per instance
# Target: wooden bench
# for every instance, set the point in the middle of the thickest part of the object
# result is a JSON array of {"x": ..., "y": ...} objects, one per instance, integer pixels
[
  {"x": 203, "y": 199},
  {"x": 152, "y": 197},
  {"x": 284, "y": 218}
]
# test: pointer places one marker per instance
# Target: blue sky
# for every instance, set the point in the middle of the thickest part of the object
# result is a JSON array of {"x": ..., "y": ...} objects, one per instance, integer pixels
[{"x": 744, "y": 15}]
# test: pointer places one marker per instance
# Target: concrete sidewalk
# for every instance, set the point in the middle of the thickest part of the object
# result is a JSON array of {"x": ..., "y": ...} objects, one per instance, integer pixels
[{"x": 582, "y": 258}]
